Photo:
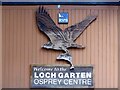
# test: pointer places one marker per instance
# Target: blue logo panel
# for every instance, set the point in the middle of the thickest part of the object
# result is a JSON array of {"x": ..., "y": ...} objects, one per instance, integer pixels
[{"x": 63, "y": 18}]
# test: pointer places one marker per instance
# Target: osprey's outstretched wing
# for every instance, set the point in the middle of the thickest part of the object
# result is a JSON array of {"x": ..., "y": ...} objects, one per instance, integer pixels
[
  {"x": 73, "y": 32},
  {"x": 47, "y": 25}
]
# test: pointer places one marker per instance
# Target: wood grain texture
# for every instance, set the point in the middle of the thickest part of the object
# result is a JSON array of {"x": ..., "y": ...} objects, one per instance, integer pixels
[
  {"x": 22, "y": 41},
  {"x": 0, "y": 47},
  {"x": 119, "y": 47}
]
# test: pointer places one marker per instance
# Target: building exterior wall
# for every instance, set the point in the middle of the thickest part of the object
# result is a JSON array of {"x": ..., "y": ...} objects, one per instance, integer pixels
[
  {"x": 119, "y": 46},
  {"x": 22, "y": 41},
  {"x": 0, "y": 47}
]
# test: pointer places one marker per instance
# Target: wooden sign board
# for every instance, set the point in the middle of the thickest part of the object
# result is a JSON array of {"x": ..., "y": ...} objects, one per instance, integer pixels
[{"x": 61, "y": 77}]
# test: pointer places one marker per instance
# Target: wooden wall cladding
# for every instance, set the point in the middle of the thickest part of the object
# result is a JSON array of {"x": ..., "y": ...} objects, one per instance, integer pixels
[
  {"x": 0, "y": 47},
  {"x": 119, "y": 47},
  {"x": 22, "y": 41}
]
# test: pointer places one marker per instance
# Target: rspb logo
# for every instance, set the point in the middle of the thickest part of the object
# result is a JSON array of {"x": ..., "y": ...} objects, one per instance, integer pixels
[{"x": 63, "y": 18}]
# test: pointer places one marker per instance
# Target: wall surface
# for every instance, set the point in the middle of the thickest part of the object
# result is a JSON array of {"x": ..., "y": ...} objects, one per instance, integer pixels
[
  {"x": 22, "y": 43},
  {"x": 119, "y": 46},
  {"x": 0, "y": 47}
]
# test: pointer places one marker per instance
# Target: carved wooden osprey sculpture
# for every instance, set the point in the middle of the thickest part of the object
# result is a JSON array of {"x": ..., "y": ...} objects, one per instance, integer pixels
[{"x": 61, "y": 39}]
